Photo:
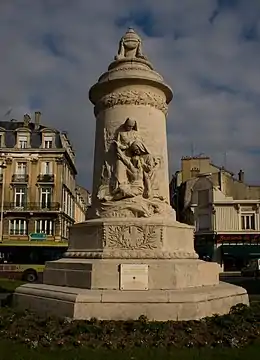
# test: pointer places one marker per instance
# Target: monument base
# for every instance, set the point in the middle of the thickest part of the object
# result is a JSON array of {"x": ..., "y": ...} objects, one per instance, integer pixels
[
  {"x": 160, "y": 305},
  {"x": 119, "y": 269}
]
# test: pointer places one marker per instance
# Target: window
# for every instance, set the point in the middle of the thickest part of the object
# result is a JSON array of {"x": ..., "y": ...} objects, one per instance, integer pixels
[
  {"x": 248, "y": 222},
  {"x": 46, "y": 168},
  {"x": 48, "y": 142},
  {"x": 18, "y": 227},
  {"x": 19, "y": 196},
  {"x": 21, "y": 168},
  {"x": 22, "y": 142},
  {"x": 2, "y": 139},
  {"x": 44, "y": 226},
  {"x": 45, "y": 198}
]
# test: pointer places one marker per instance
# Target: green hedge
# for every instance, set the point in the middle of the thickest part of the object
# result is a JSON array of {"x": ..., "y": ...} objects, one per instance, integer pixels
[{"x": 238, "y": 329}]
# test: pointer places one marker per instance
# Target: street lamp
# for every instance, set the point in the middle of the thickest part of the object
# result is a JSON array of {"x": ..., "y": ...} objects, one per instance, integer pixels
[{"x": 3, "y": 167}]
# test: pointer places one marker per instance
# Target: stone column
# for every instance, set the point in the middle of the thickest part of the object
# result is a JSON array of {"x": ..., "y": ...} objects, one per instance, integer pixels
[
  {"x": 131, "y": 216},
  {"x": 130, "y": 89}
]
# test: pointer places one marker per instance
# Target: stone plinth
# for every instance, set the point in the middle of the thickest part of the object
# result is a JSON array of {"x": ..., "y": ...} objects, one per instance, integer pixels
[
  {"x": 160, "y": 305},
  {"x": 131, "y": 257}
]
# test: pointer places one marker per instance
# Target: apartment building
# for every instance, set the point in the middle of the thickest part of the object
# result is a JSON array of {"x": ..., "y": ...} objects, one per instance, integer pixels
[
  {"x": 82, "y": 203},
  {"x": 225, "y": 211},
  {"x": 37, "y": 181}
]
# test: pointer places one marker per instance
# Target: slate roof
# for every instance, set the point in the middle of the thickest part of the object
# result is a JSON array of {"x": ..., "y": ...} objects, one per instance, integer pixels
[{"x": 36, "y": 133}]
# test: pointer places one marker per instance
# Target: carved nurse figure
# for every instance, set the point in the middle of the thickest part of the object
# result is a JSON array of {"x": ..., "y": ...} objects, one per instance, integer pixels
[
  {"x": 127, "y": 134},
  {"x": 137, "y": 169},
  {"x": 125, "y": 137}
]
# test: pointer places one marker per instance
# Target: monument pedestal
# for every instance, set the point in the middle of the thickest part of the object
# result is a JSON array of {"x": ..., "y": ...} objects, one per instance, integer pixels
[
  {"x": 145, "y": 276},
  {"x": 131, "y": 257}
]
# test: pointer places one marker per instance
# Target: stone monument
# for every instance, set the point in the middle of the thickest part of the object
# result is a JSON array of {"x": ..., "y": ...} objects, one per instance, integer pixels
[{"x": 131, "y": 257}]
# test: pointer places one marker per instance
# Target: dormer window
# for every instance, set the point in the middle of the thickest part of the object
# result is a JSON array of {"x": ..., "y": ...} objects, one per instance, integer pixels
[
  {"x": 47, "y": 142},
  {"x": 2, "y": 139},
  {"x": 22, "y": 141},
  {"x": 23, "y": 138}
]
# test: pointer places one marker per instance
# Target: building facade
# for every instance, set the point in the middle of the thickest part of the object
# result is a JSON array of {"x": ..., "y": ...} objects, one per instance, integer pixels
[
  {"x": 37, "y": 181},
  {"x": 82, "y": 203},
  {"x": 225, "y": 212}
]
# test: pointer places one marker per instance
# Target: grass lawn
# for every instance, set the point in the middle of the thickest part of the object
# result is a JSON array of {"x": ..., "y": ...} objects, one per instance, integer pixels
[
  {"x": 8, "y": 286},
  {"x": 14, "y": 351}
]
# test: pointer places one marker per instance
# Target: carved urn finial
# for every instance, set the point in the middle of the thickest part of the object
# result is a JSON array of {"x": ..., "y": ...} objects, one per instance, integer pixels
[{"x": 130, "y": 46}]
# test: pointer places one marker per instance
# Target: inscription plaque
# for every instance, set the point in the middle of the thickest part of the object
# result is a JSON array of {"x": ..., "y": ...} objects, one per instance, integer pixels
[{"x": 133, "y": 277}]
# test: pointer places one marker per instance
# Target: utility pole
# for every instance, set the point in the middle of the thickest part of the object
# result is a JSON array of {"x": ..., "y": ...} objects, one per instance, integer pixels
[{"x": 3, "y": 167}]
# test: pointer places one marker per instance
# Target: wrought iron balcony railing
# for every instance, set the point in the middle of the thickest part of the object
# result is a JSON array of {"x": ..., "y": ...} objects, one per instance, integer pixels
[
  {"x": 45, "y": 178},
  {"x": 19, "y": 178},
  {"x": 32, "y": 206}
]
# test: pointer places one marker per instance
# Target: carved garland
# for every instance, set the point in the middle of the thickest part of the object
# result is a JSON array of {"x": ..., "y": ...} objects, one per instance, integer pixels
[{"x": 131, "y": 97}]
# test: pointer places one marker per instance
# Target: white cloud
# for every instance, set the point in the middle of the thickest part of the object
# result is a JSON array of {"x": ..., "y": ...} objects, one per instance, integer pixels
[{"x": 213, "y": 71}]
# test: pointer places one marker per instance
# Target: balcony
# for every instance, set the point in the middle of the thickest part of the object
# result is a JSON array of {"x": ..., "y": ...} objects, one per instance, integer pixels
[
  {"x": 43, "y": 207},
  {"x": 45, "y": 178},
  {"x": 20, "y": 178}
]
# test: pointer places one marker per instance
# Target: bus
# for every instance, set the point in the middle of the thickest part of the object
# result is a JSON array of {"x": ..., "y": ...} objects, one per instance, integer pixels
[{"x": 27, "y": 261}]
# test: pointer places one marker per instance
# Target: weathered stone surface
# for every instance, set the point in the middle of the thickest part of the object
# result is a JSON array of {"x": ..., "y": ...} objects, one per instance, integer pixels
[
  {"x": 162, "y": 273},
  {"x": 161, "y": 305},
  {"x": 152, "y": 238}
]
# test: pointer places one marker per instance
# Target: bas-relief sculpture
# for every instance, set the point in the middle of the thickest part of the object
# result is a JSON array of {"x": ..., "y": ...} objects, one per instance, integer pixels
[{"x": 129, "y": 182}]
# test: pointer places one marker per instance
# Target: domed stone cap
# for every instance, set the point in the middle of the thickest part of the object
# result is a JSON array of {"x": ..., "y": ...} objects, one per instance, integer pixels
[{"x": 130, "y": 66}]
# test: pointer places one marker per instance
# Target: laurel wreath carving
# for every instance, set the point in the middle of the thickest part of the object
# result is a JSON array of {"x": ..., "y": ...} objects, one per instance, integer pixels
[{"x": 132, "y": 237}]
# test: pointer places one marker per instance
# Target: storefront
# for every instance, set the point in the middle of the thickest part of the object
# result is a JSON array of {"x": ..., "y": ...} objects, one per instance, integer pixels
[
  {"x": 231, "y": 251},
  {"x": 205, "y": 245}
]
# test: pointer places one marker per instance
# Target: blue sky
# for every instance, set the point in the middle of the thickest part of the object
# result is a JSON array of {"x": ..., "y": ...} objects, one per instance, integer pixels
[{"x": 208, "y": 51}]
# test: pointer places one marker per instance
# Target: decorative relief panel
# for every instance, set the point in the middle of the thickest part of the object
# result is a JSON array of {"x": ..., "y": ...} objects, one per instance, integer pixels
[
  {"x": 131, "y": 97},
  {"x": 133, "y": 237},
  {"x": 129, "y": 184}
]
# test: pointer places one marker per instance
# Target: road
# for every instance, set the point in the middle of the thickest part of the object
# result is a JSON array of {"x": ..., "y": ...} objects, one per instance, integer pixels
[{"x": 250, "y": 284}]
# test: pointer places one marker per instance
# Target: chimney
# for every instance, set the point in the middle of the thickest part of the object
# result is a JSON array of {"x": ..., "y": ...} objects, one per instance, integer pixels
[
  {"x": 37, "y": 119},
  {"x": 241, "y": 175}
]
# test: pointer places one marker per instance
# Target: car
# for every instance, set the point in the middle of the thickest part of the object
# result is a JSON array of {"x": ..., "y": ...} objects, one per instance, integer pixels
[{"x": 252, "y": 269}]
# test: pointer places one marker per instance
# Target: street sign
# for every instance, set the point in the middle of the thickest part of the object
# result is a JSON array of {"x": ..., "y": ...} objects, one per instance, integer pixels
[{"x": 37, "y": 236}]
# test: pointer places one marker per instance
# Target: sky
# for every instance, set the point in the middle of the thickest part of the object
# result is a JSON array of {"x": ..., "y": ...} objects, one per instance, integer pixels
[{"x": 53, "y": 51}]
